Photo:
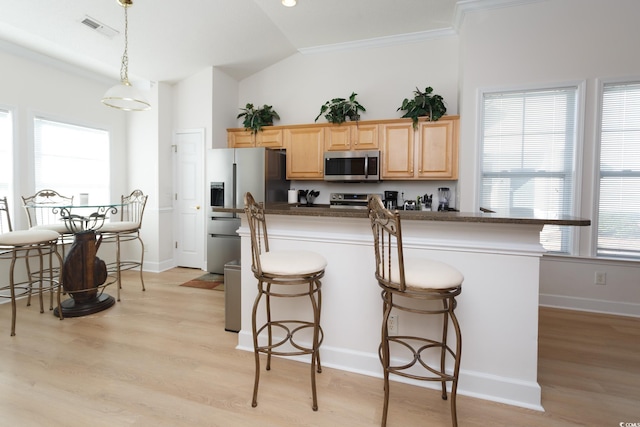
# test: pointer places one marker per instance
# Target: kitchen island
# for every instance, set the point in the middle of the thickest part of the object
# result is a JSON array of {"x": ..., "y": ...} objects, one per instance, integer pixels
[{"x": 498, "y": 308}]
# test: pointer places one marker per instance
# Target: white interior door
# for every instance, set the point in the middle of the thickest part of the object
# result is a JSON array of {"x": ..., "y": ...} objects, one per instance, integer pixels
[{"x": 189, "y": 199}]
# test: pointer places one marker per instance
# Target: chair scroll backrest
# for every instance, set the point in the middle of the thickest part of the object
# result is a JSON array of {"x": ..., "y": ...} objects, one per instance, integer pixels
[
  {"x": 387, "y": 242},
  {"x": 5, "y": 218},
  {"x": 45, "y": 216},
  {"x": 133, "y": 207},
  {"x": 258, "y": 228}
]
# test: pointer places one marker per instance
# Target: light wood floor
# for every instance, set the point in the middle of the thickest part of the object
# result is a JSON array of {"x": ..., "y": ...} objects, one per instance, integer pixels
[{"x": 162, "y": 358}]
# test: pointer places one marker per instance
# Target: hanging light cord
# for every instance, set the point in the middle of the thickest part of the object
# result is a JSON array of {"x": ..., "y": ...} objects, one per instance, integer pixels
[{"x": 124, "y": 75}]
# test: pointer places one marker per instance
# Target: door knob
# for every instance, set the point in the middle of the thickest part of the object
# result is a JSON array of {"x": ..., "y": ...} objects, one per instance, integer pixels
[{"x": 197, "y": 208}]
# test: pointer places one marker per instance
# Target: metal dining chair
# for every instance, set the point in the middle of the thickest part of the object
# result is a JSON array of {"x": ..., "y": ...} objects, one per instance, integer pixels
[
  {"x": 125, "y": 230},
  {"x": 26, "y": 245},
  {"x": 43, "y": 214}
]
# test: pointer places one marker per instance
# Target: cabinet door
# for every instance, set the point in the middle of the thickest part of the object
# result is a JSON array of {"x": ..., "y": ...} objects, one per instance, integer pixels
[
  {"x": 438, "y": 149},
  {"x": 240, "y": 139},
  {"x": 305, "y": 153},
  {"x": 364, "y": 136},
  {"x": 337, "y": 137},
  {"x": 271, "y": 138},
  {"x": 397, "y": 150}
]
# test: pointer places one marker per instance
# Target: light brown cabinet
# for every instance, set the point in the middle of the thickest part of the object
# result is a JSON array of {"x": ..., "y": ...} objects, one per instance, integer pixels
[
  {"x": 438, "y": 149},
  {"x": 397, "y": 147},
  {"x": 270, "y": 137},
  {"x": 430, "y": 152},
  {"x": 352, "y": 136},
  {"x": 305, "y": 152}
]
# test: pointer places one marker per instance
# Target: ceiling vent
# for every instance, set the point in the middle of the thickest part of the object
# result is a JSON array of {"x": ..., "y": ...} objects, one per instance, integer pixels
[{"x": 99, "y": 27}]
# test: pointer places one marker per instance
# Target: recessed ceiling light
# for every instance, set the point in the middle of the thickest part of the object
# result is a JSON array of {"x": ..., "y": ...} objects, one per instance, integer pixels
[{"x": 289, "y": 3}]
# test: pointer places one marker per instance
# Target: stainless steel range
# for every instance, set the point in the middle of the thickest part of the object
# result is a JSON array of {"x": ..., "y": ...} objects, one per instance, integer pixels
[{"x": 349, "y": 200}]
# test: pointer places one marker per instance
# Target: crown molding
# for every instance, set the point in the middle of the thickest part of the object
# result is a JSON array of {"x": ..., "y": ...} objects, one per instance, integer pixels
[
  {"x": 380, "y": 41},
  {"x": 466, "y": 6},
  {"x": 461, "y": 9}
]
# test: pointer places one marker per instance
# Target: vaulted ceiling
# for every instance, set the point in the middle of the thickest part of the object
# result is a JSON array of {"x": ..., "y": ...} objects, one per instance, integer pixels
[{"x": 170, "y": 40}]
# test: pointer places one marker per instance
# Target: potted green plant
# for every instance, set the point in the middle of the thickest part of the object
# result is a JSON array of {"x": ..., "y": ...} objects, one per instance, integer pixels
[
  {"x": 256, "y": 118},
  {"x": 423, "y": 104},
  {"x": 338, "y": 110}
]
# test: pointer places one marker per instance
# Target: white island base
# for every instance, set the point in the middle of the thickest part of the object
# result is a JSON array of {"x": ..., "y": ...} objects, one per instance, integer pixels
[{"x": 497, "y": 310}]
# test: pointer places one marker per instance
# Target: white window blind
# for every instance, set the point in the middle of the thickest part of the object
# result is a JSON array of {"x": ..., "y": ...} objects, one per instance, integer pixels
[
  {"x": 528, "y": 157},
  {"x": 71, "y": 159},
  {"x": 619, "y": 193},
  {"x": 6, "y": 156}
]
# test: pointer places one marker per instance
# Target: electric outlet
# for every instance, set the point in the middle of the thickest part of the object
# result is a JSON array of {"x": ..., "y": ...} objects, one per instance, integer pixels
[
  {"x": 392, "y": 324},
  {"x": 601, "y": 278}
]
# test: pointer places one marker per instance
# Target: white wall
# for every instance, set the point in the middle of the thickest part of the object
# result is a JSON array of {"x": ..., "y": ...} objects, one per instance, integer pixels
[
  {"x": 546, "y": 43},
  {"x": 382, "y": 77},
  {"x": 225, "y": 94},
  {"x": 30, "y": 86}
]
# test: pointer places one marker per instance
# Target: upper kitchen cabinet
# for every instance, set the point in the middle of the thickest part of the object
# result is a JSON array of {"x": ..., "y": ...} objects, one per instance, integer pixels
[
  {"x": 305, "y": 152},
  {"x": 431, "y": 152},
  {"x": 352, "y": 136},
  {"x": 240, "y": 138},
  {"x": 437, "y": 145},
  {"x": 270, "y": 137},
  {"x": 397, "y": 146}
]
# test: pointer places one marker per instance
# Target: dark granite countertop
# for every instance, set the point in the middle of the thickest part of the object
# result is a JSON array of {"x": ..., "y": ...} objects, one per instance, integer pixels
[{"x": 450, "y": 216}]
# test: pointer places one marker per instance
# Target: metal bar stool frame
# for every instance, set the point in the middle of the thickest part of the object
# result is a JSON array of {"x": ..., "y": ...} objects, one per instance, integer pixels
[
  {"x": 125, "y": 230},
  {"x": 26, "y": 245},
  {"x": 397, "y": 293},
  {"x": 279, "y": 285}
]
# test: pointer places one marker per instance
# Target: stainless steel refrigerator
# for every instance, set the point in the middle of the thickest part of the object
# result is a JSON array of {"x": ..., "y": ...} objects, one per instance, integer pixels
[{"x": 231, "y": 172}]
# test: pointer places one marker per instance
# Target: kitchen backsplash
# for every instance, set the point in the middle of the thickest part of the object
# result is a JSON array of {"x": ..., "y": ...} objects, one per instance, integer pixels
[{"x": 411, "y": 189}]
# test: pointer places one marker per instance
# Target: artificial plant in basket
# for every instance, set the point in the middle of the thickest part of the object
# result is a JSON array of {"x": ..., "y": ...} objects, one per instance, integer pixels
[
  {"x": 338, "y": 110},
  {"x": 256, "y": 118},
  {"x": 423, "y": 104}
]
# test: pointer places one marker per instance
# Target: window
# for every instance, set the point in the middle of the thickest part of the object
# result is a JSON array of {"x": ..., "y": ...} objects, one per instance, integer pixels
[
  {"x": 528, "y": 157},
  {"x": 618, "y": 225},
  {"x": 6, "y": 154},
  {"x": 71, "y": 159}
]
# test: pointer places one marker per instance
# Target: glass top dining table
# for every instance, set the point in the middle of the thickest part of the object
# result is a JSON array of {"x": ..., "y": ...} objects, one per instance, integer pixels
[
  {"x": 81, "y": 218},
  {"x": 84, "y": 275}
]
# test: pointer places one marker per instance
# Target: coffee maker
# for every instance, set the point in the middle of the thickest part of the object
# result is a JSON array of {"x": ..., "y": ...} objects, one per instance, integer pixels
[
  {"x": 443, "y": 198},
  {"x": 391, "y": 199}
]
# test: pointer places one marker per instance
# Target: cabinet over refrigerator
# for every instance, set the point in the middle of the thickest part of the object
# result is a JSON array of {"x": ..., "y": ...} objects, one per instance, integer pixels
[{"x": 232, "y": 172}]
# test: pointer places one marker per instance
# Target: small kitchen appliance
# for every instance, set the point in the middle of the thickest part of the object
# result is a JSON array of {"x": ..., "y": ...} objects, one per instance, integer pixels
[
  {"x": 391, "y": 199},
  {"x": 349, "y": 200},
  {"x": 443, "y": 198}
]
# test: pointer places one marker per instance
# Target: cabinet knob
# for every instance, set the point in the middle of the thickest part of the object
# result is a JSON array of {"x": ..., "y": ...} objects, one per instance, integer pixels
[{"x": 197, "y": 208}]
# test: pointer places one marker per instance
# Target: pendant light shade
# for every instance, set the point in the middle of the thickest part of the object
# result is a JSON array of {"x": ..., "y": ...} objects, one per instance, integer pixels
[{"x": 123, "y": 96}]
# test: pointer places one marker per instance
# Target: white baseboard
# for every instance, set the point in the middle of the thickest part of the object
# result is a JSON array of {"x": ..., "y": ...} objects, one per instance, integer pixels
[{"x": 592, "y": 305}]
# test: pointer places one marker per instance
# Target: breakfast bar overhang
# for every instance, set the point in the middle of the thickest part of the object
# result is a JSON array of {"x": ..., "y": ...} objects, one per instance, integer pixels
[{"x": 498, "y": 308}]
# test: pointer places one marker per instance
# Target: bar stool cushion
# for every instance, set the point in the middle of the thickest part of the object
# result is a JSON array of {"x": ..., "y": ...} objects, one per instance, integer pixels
[
  {"x": 27, "y": 237},
  {"x": 421, "y": 274},
  {"x": 118, "y": 227},
  {"x": 58, "y": 228},
  {"x": 292, "y": 262}
]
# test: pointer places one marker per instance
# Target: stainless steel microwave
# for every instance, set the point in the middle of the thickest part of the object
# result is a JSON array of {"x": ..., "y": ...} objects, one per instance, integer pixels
[{"x": 352, "y": 165}]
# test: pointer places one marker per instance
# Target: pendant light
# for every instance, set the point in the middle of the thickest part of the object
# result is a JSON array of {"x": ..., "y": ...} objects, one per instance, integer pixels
[{"x": 124, "y": 96}]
